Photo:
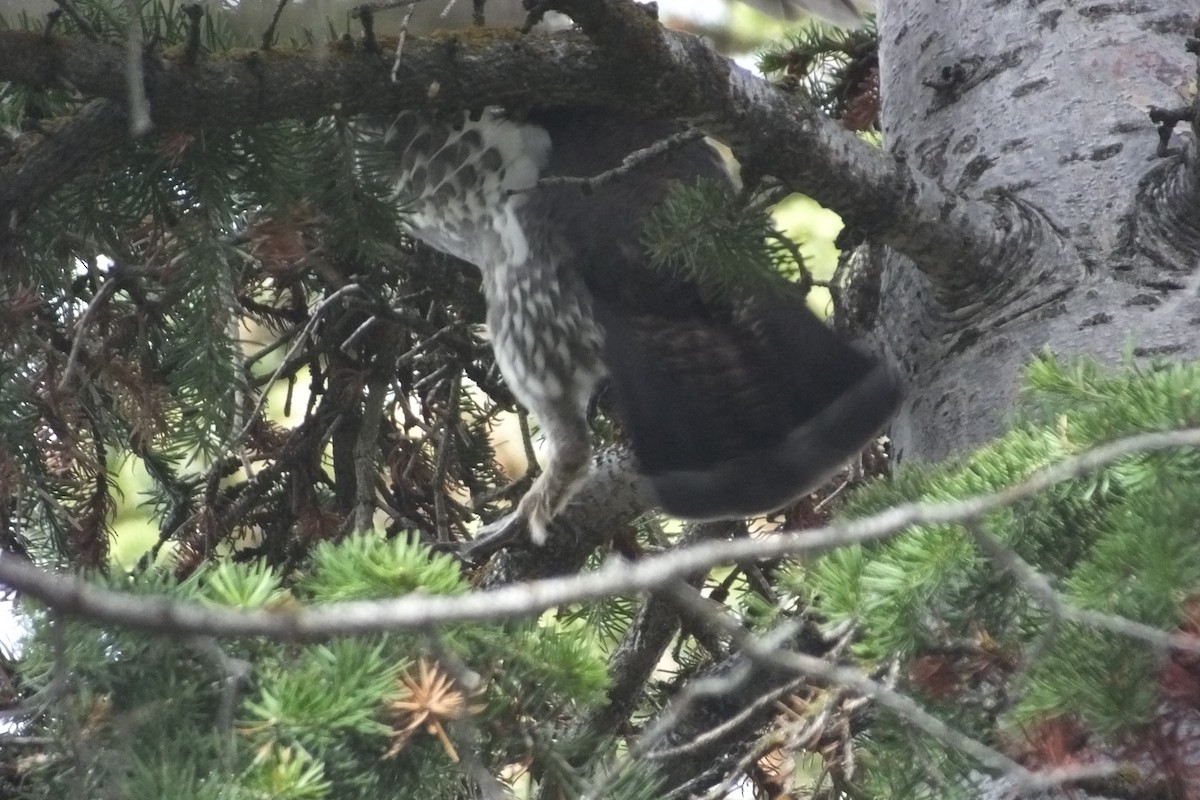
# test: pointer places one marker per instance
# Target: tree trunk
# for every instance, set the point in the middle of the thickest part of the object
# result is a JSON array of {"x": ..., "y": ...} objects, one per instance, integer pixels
[{"x": 1041, "y": 110}]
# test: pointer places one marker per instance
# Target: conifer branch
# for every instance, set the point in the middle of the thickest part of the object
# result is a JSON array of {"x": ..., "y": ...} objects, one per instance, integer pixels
[
  {"x": 673, "y": 75},
  {"x": 770, "y": 133},
  {"x": 68, "y": 8},
  {"x": 642, "y": 647},
  {"x": 773, "y": 655},
  {"x": 73, "y": 596},
  {"x": 765, "y": 650},
  {"x": 98, "y": 127}
]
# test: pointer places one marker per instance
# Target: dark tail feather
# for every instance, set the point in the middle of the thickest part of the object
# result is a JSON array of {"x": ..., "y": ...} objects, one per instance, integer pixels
[{"x": 739, "y": 415}]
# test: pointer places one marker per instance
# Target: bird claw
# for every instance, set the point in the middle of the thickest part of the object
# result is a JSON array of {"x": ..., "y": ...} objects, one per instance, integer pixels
[
  {"x": 513, "y": 528},
  {"x": 496, "y": 535}
]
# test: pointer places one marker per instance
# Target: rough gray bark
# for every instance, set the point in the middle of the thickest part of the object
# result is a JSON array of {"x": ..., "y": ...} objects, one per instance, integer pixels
[{"x": 1042, "y": 108}]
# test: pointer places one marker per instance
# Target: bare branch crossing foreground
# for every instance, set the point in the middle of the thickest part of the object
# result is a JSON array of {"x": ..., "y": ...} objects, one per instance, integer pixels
[{"x": 76, "y": 597}]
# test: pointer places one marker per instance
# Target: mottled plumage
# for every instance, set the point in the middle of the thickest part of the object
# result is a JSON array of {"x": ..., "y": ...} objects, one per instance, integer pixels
[{"x": 734, "y": 406}]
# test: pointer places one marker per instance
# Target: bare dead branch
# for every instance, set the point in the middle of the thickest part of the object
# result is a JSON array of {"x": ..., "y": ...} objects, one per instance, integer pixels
[
  {"x": 819, "y": 669},
  {"x": 74, "y": 596},
  {"x": 1020, "y": 781}
]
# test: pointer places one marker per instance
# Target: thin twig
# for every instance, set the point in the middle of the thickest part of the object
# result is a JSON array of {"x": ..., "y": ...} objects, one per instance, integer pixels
[
  {"x": 465, "y": 729},
  {"x": 442, "y": 459},
  {"x": 1036, "y": 584},
  {"x": 84, "y": 26},
  {"x": 135, "y": 74},
  {"x": 268, "y": 37},
  {"x": 532, "y": 468},
  {"x": 787, "y": 243},
  {"x": 17, "y": 740},
  {"x": 266, "y": 350},
  {"x": 628, "y": 163},
  {"x": 318, "y": 312},
  {"x": 366, "y": 446},
  {"x": 106, "y": 290},
  {"x": 347, "y": 346},
  {"x": 78, "y": 19},
  {"x": 240, "y": 398},
  {"x": 707, "y": 686},
  {"x": 692, "y": 693},
  {"x": 731, "y": 724},
  {"x": 810, "y": 731},
  {"x": 412, "y": 6},
  {"x": 235, "y": 672},
  {"x": 643, "y": 644}
]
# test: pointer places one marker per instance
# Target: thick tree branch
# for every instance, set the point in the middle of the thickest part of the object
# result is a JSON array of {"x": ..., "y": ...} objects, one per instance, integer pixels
[
  {"x": 71, "y": 595},
  {"x": 947, "y": 236},
  {"x": 98, "y": 127},
  {"x": 637, "y": 66},
  {"x": 245, "y": 88}
]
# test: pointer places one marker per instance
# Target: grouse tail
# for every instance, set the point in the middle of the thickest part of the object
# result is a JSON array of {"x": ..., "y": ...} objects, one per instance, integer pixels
[{"x": 740, "y": 413}]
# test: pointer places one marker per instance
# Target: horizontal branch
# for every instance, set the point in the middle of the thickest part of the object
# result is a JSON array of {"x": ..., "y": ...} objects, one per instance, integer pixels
[
  {"x": 241, "y": 87},
  {"x": 71, "y": 595},
  {"x": 653, "y": 71},
  {"x": 98, "y": 127}
]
